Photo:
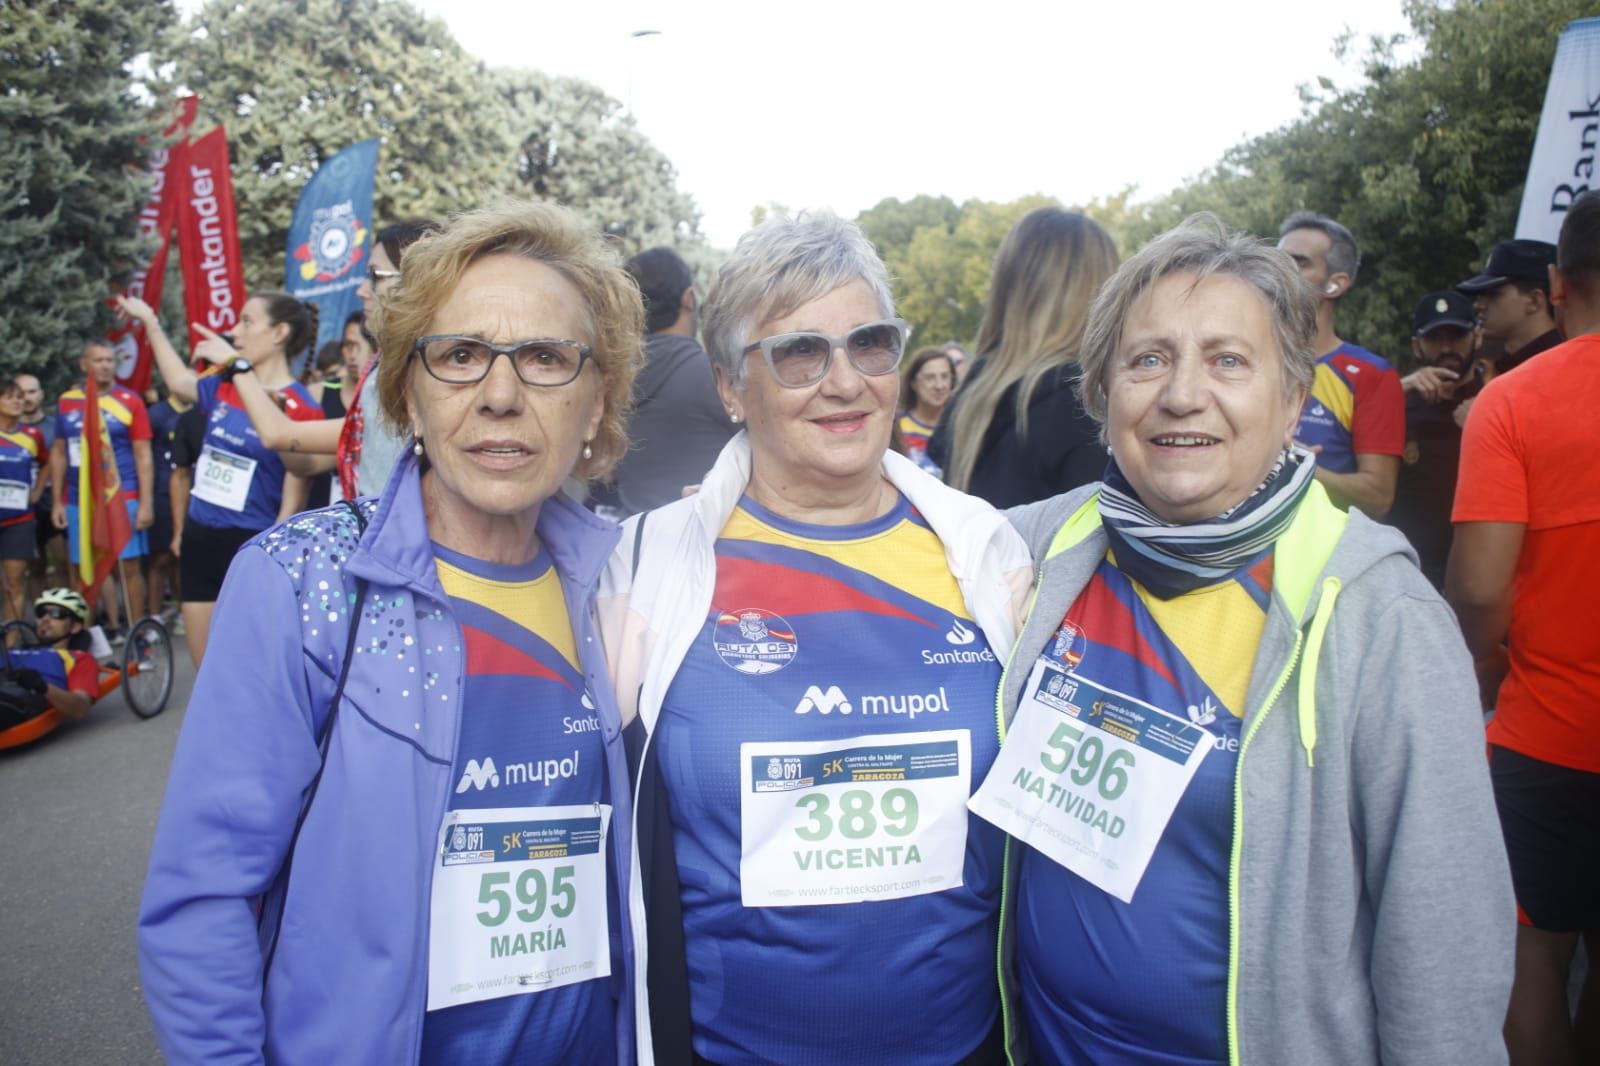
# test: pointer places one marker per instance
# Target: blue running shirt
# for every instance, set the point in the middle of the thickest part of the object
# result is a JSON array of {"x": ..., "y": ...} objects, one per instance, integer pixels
[
  {"x": 238, "y": 481},
  {"x": 1108, "y": 982},
  {"x": 22, "y": 453},
  {"x": 527, "y": 739},
  {"x": 824, "y": 634}
]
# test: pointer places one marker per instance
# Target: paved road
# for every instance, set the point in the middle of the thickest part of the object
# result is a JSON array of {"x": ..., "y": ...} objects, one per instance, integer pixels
[{"x": 77, "y": 812}]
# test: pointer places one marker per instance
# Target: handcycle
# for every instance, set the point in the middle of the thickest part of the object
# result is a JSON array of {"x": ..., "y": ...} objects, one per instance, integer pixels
[{"x": 144, "y": 673}]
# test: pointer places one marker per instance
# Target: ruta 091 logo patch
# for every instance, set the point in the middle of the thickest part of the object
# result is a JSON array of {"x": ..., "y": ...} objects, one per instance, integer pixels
[
  {"x": 333, "y": 246},
  {"x": 1068, "y": 645},
  {"x": 754, "y": 641}
]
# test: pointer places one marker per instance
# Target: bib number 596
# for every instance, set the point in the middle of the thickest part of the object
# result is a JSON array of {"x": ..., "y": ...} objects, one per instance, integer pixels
[
  {"x": 531, "y": 891},
  {"x": 1109, "y": 772}
]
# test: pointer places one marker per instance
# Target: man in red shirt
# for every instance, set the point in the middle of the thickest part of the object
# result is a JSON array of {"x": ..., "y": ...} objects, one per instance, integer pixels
[
  {"x": 1524, "y": 577},
  {"x": 1354, "y": 417},
  {"x": 128, "y": 425}
]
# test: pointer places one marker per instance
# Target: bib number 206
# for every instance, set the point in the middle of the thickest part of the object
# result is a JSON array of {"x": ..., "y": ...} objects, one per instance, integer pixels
[
  {"x": 531, "y": 891},
  {"x": 1109, "y": 773}
]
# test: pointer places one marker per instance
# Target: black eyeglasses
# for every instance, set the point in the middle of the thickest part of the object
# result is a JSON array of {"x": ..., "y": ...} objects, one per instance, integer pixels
[
  {"x": 546, "y": 362},
  {"x": 801, "y": 359},
  {"x": 60, "y": 614}
]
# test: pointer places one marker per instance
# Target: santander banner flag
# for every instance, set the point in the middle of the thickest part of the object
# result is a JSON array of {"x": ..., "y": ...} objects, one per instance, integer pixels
[
  {"x": 208, "y": 237},
  {"x": 1563, "y": 163},
  {"x": 330, "y": 237},
  {"x": 156, "y": 219}
]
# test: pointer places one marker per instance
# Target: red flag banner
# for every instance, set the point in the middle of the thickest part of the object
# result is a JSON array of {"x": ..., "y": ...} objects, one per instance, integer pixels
[
  {"x": 103, "y": 526},
  {"x": 208, "y": 237},
  {"x": 156, "y": 220}
]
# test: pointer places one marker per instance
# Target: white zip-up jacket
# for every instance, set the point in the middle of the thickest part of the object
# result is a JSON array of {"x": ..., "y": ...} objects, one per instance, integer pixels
[{"x": 654, "y": 596}]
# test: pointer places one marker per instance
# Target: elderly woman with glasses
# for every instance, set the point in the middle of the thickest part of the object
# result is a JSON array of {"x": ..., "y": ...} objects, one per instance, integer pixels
[
  {"x": 1243, "y": 749},
  {"x": 806, "y": 653},
  {"x": 397, "y": 814}
]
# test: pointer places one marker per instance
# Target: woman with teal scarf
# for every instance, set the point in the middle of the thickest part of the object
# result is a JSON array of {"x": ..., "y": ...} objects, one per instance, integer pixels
[{"x": 1242, "y": 772}]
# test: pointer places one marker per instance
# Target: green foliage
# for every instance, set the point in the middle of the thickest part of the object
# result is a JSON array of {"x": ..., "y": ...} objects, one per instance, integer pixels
[
  {"x": 939, "y": 256},
  {"x": 1424, "y": 161},
  {"x": 72, "y": 139},
  {"x": 293, "y": 82},
  {"x": 574, "y": 145}
]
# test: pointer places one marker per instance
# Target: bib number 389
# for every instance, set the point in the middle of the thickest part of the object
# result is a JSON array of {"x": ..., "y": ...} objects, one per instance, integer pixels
[{"x": 871, "y": 817}]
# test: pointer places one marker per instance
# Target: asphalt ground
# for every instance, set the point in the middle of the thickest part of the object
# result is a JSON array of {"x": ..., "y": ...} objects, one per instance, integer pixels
[{"x": 79, "y": 808}]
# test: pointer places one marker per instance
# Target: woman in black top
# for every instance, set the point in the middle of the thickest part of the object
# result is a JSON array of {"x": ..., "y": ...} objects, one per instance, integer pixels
[{"x": 1015, "y": 432}]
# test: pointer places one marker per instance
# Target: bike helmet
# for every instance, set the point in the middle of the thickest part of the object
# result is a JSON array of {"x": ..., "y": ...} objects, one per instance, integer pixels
[{"x": 65, "y": 597}]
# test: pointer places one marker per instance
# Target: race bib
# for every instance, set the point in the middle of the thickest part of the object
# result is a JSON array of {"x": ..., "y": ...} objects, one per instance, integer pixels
[
  {"x": 519, "y": 902},
  {"x": 835, "y": 821},
  {"x": 14, "y": 495},
  {"x": 74, "y": 451},
  {"x": 1090, "y": 776},
  {"x": 223, "y": 479}
]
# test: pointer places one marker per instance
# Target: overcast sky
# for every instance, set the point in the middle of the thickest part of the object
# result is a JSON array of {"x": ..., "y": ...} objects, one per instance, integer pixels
[{"x": 839, "y": 104}]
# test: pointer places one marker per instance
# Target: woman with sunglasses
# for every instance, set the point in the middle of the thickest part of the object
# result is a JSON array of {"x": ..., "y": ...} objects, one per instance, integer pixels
[
  {"x": 415, "y": 765},
  {"x": 806, "y": 652}
]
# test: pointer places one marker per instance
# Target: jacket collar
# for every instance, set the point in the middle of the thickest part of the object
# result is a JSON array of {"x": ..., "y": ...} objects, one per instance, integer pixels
[
  {"x": 957, "y": 519},
  {"x": 397, "y": 550}
]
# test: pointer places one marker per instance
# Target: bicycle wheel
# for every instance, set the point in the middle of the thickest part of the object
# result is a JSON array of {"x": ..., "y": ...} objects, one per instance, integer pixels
[
  {"x": 27, "y": 636},
  {"x": 147, "y": 668}
]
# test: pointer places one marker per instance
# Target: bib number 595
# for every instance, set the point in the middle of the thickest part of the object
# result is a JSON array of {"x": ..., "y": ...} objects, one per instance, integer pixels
[
  {"x": 1109, "y": 772},
  {"x": 531, "y": 891}
]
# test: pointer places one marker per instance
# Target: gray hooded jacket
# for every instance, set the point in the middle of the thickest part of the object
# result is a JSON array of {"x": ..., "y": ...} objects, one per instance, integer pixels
[{"x": 1371, "y": 912}]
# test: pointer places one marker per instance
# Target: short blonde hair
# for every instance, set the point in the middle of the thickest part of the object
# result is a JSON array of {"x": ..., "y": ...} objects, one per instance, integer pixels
[{"x": 544, "y": 233}]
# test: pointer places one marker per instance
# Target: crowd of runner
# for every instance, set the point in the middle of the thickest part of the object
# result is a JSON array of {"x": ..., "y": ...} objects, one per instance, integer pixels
[{"x": 818, "y": 730}]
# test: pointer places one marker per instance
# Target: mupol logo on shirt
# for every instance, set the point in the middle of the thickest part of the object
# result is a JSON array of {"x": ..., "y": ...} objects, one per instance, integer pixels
[
  {"x": 479, "y": 776},
  {"x": 754, "y": 641},
  {"x": 833, "y": 700}
]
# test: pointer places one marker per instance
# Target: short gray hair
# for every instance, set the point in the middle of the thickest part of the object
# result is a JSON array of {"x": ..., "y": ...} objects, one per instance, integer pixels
[
  {"x": 1344, "y": 256},
  {"x": 1203, "y": 246},
  {"x": 779, "y": 267}
]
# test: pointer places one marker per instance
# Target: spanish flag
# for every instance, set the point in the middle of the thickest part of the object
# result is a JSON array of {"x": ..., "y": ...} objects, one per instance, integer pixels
[{"x": 103, "y": 529}]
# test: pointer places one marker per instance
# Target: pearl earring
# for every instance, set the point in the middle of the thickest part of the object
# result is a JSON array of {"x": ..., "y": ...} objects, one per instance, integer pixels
[
  {"x": 588, "y": 452},
  {"x": 734, "y": 416},
  {"x": 416, "y": 448}
]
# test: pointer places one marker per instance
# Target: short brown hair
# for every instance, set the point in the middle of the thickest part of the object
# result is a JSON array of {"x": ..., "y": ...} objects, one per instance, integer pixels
[{"x": 544, "y": 233}]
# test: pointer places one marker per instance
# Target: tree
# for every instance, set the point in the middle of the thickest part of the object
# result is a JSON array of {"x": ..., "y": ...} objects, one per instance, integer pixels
[
  {"x": 574, "y": 145},
  {"x": 1424, "y": 161},
  {"x": 74, "y": 139},
  {"x": 295, "y": 81},
  {"x": 939, "y": 258}
]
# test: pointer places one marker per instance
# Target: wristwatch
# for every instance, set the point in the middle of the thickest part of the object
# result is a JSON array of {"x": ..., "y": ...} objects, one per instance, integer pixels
[{"x": 237, "y": 366}]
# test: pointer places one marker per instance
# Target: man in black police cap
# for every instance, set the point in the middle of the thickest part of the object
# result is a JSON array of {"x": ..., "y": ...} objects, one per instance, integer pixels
[
  {"x": 1448, "y": 375},
  {"x": 1512, "y": 296}
]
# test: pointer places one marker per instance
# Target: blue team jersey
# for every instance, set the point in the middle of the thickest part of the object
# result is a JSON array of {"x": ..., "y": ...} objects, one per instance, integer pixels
[
  {"x": 825, "y": 634},
  {"x": 126, "y": 422},
  {"x": 238, "y": 481},
  {"x": 75, "y": 671},
  {"x": 1355, "y": 407},
  {"x": 1110, "y": 982},
  {"x": 528, "y": 738},
  {"x": 22, "y": 451}
]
